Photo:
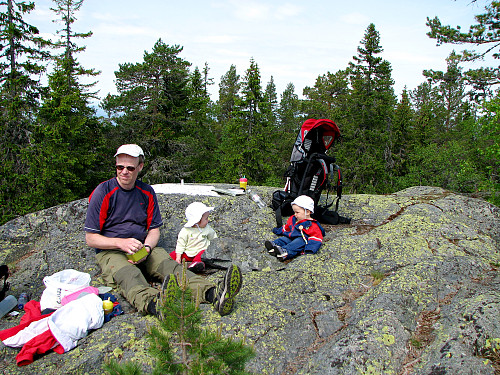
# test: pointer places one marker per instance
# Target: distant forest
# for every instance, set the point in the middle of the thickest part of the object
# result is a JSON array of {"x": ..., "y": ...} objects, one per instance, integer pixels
[{"x": 56, "y": 149}]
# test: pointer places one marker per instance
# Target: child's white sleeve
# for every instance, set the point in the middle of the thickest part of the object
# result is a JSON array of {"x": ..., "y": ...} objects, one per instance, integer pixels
[
  {"x": 182, "y": 239},
  {"x": 211, "y": 234}
]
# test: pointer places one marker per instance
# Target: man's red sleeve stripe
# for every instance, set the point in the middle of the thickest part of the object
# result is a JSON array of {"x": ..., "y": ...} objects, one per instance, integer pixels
[
  {"x": 103, "y": 213},
  {"x": 151, "y": 207}
]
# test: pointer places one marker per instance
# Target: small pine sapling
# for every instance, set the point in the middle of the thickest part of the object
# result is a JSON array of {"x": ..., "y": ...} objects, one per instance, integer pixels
[{"x": 181, "y": 346}]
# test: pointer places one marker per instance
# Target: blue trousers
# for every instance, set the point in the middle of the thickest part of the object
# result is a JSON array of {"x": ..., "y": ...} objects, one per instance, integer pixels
[{"x": 293, "y": 247}]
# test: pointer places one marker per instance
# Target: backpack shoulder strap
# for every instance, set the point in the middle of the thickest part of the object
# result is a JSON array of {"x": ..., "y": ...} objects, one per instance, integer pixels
[
  {"x": 4, "y": 273},
  {"x": 279, "y": 218}
]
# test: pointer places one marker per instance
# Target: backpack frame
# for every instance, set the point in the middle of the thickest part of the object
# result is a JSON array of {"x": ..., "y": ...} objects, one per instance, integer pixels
[{"x": 311, "y": 171}]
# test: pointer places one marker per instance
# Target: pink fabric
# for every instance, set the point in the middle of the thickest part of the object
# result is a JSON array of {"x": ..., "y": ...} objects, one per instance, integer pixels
[{"x": 75, "y": 295}]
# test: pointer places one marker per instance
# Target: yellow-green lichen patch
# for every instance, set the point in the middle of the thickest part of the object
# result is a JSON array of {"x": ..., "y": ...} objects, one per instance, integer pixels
[
  {"x": 375, "y": 367},
  {"x": 386, "y": 339}
]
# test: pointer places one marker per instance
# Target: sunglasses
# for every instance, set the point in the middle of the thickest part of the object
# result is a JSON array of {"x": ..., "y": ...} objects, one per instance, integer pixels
[{"x": 122, "y": 167}]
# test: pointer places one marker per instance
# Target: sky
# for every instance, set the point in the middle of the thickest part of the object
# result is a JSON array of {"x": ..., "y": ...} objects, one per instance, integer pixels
[{"x": 293, "y": 41}]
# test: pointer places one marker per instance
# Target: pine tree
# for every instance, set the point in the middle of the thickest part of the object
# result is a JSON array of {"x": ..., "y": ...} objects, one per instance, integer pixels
[
  {"x": 152, "y": 109},
  {"x": 153, "y": 94},
  {"x": 488, "y": 148},
  {"x": 329, "y": 97},
  {"x": 451, "y": 92},
  {"x": 444, "y": 150},
  {"x": 181, "y": 346},
  {"x": 484, "y": 34}
]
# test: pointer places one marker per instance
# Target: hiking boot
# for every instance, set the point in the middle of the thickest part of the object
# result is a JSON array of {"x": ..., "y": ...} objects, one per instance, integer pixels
[
  {"x": 270, "y": 248},
  {"x": 197, "y": 267},
  {"x": 151, "y": 309},
  {"x": 226, "y": 290},
  {"x": 168, "y": 289}
]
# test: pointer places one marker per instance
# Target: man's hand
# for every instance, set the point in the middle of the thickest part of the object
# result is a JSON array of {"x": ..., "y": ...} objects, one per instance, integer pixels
[{"x": 129, "y": 245}]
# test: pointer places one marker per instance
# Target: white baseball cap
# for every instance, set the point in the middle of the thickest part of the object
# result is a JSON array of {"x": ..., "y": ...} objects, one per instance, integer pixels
[
  {"x": 194, "y": 212},
  {"x": 130, "y": 149},
  {"x": 305, "y": 202}
]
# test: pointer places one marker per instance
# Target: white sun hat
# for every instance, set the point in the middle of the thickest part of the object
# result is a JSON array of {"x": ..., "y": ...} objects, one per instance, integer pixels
[
  {"x": 194, "y": 212},
  {"x": 130, "y": 149},
  {"x": 305, "y": 202}
]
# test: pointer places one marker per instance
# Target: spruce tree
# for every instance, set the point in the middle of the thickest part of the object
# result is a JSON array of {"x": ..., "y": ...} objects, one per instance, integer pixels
[
  {"x": 366, "y": 147},
  {"x": 228, "y": 109},
  {"x": 23, "y": 55},
  {"x": 69, "y": 155},
  {"x": 270, "y": 114},
  {"x": 399, "y": 138},
  {"x": 202, "y": 130},
  {"x": 269, "y": 105},
  {"x": 290, "y": 120},
  {"x": 229, "y": 95},
  {"x": 255, "y": 127},
  {"x": 252, "y": 97},
  {"x": 289, "y": 115}
]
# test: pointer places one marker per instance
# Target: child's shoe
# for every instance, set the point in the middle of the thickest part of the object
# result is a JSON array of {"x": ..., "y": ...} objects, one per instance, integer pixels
[
  {"x": 281, "y": 254},
  {"x": 270, "y": 248},
  {"x": 226, "y": 290},
  {"x": 197, "y": 267}
]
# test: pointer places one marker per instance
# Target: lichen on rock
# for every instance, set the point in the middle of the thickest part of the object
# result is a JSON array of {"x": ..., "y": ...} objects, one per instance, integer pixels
[{"x": 412, "y": 285}]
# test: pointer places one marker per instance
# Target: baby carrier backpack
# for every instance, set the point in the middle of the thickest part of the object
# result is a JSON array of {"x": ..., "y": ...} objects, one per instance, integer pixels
[{"x": 311, "y": 171}]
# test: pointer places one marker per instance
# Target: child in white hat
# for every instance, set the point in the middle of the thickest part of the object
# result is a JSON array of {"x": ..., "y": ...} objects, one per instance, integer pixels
[
  {"x": 194, "y": 238},
  {"x": 300, "y": 235}
]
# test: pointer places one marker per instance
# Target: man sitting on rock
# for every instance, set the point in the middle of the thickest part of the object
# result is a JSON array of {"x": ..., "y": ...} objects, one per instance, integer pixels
[{"x": 123, "y": 217}]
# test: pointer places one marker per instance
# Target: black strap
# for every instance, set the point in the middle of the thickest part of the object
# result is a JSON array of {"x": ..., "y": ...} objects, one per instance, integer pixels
[
  {"x": 4, "y": 272},
  {"x": 279, "y": 218}
]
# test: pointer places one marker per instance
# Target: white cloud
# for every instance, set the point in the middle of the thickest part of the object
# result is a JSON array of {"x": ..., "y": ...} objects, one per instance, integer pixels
[{"x": 288, "y": 10}]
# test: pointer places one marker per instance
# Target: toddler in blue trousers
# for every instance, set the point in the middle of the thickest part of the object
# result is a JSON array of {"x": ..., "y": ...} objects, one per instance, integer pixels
[{"x": 300, "y": 235}]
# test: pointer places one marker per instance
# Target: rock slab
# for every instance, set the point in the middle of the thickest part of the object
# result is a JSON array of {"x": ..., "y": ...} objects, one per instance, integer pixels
[{"x": 411, "y": 286}]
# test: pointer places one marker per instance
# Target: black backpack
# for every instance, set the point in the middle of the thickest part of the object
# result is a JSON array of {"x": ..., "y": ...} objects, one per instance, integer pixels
[
  {"x": 4, "y": 273},
  {"x": 311, "y": 171}
]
